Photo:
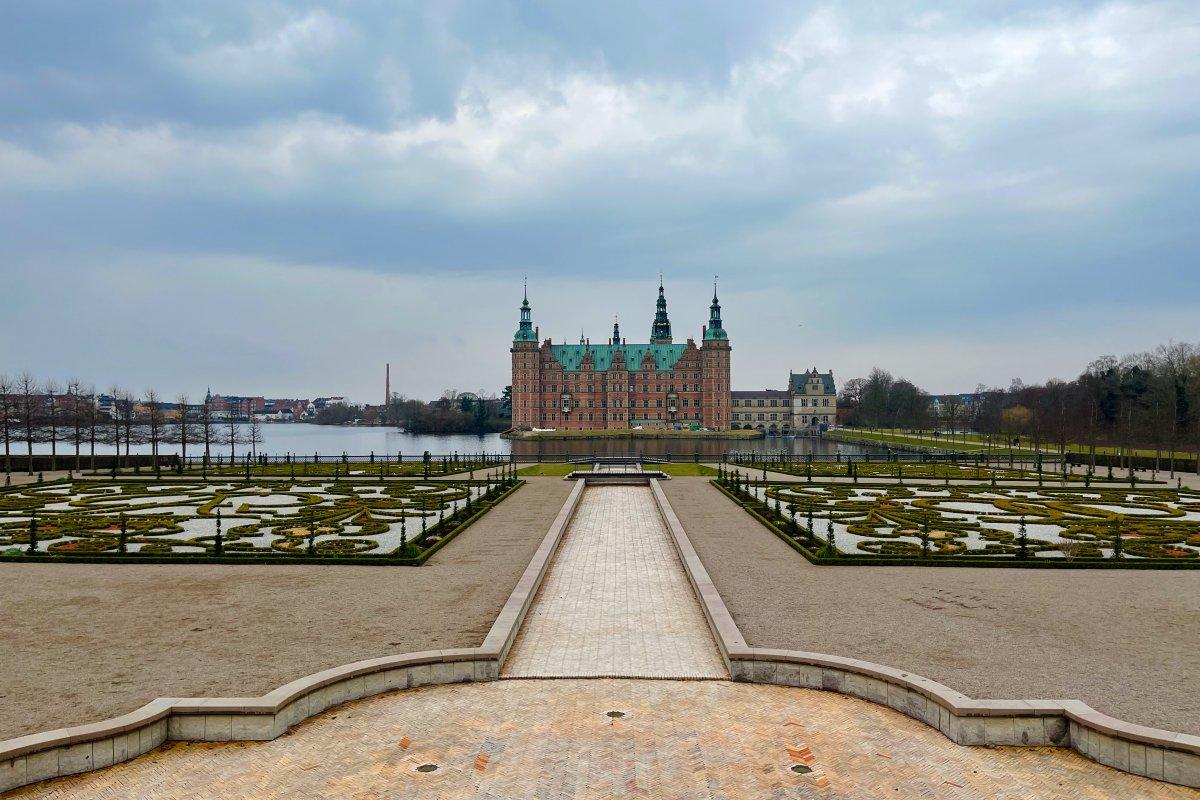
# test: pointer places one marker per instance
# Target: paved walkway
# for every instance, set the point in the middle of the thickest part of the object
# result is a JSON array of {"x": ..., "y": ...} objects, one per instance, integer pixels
[
  {"x": 615, "y": 601},
  {"x": 555, "y": 739}
]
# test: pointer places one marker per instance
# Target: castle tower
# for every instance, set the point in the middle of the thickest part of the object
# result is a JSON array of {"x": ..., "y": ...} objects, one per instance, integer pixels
[
  {"x": 526, "y": 377},
  {"x": 660, "y": 331},
  {"x": 714, "y": 369}
]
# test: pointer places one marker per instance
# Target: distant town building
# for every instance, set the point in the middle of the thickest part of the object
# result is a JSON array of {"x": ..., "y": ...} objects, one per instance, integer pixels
[
  {"x": 656, "y": 384},
  {"x": 808, "y": 404}
]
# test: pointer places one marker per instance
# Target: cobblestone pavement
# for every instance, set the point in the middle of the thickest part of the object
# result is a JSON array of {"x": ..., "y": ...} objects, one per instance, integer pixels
[
  {"x": 615, "y": 601},
  {"x": 555, "y": 739}
]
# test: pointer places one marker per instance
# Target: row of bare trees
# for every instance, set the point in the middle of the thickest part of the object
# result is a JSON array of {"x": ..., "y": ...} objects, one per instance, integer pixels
[
  {"x": 1144, "y": 401},
  {"x": 70, "y": 418}
]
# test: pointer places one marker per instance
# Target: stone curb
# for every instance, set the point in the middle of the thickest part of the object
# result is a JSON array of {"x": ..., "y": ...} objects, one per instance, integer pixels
[
  {"x": 70, "y": 751},
  {"x": 1137, "y": 749}
]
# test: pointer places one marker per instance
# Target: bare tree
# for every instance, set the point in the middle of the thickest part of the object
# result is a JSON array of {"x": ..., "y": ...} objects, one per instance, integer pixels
[
  {"x": 52, "y": 409},
  {"x": 133, "y": 435},
  {"x": 115, "y": 413},
  {"x": 231, "y": 437},
  {"x": 7, "y": 407},
  {"x": 183, "y": 431},
  {"x": 952, "y": 404},
  {"x": 154, "y": 417},
  {"x": 254, "y": 436},
  {"x": 76, "y": 418},
  {"x": 27, "y": 387},
  {"x": 92, "y": 414}
]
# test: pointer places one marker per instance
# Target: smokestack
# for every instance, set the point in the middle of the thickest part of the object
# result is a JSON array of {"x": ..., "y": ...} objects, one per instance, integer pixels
[{"x": 387, "y": 384}]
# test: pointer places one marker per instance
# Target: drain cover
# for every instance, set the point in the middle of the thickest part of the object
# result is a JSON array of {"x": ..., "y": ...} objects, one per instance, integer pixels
[
  {"x": 427, "y": 768},
  {"x": 800, "y": 769},
  {"x": 614, "y": 714}
]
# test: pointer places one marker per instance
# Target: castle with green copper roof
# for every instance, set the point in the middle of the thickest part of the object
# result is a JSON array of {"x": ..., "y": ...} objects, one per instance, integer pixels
[{"x": 616, "y": 384}]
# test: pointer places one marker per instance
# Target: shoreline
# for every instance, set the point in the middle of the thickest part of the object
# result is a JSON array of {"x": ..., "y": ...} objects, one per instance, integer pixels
[{"x": 617, "y": 434}]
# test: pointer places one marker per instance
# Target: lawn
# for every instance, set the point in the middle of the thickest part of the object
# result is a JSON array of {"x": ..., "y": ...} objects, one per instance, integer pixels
[{"x": 974, "y": 442}]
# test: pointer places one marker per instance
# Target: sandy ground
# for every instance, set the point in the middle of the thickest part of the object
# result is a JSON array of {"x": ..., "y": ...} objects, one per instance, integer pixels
[
  {"x": 1124, "y": 642},
  {"x": 84, "y": 642}
]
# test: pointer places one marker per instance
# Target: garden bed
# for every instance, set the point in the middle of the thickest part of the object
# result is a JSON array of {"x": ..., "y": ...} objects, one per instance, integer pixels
[
  {"x": 268, "y": 522},
  {"x": 842, "y": 524}
]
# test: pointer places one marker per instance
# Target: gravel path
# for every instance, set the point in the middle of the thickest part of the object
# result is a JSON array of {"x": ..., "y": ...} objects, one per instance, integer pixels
[
  {"x": 1124, "y": 642},
  {"x": 82, "y": 642}
]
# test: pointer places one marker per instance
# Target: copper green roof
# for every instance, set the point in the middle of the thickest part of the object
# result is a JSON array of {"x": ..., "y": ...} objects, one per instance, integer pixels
[
  {"x": 525, "y": 332},
  {"x": 570, "y": 356}
]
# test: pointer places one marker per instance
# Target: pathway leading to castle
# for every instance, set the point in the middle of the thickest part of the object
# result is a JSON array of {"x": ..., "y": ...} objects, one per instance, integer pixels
[{"x": 615, "y": 601}]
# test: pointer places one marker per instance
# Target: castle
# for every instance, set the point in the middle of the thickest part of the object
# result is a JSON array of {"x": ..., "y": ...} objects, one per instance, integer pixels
[{"x": 657, "y": 384}]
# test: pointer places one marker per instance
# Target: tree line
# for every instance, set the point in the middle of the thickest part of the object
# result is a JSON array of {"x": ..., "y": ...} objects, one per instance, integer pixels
[
  {"x": 69, "y": 418},
  {"x": 453, "y": 412},
  {"x": 1147, "y": 400}
]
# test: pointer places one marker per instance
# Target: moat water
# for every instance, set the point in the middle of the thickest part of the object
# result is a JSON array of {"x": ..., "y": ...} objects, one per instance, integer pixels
[{"x": 331, "y": 440}]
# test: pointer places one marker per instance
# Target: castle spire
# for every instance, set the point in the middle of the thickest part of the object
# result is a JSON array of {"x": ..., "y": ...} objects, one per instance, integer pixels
[
  {"x": 660, "y": 331},
  {"x": 715, "y": 328},
  {"x": 616, "y": 339},
  {"x": 525, "y": 331}
]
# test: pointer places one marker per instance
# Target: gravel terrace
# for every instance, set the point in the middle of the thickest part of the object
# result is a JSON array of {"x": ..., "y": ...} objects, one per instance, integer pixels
[
  {"x": 82, "y": 642},
  {"x": 1124, "y": 642}
]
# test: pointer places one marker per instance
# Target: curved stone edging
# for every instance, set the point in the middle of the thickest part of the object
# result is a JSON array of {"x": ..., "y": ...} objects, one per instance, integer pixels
[
  {"x": 1137, "y": 749},
  {"x": 81, "y": 748}
]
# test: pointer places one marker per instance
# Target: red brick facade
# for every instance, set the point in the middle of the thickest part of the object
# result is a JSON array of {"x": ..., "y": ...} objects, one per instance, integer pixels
[{"x": 585, "y": 386}]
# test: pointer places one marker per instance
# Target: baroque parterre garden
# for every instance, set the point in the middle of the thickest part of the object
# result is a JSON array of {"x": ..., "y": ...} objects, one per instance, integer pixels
[
  {"x": 302, "y": 467},
  {"x": 919, "y": 522},
  {"x": 393, "y": 520}
]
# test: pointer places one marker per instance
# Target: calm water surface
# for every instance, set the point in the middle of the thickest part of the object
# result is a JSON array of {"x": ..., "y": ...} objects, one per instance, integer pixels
[{"x": 331, "y": 440}]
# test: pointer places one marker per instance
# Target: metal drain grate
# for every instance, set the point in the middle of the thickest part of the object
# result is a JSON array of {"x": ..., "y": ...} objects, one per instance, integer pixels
[
  {"x": 800, "y": 769},
  {"x": 427, "y": 768},
  {"x": 614, "y": 714}
]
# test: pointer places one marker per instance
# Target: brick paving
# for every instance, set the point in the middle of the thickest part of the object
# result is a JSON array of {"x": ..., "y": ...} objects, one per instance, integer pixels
[
  {"x": 554, "y": 739},
  {"x": 615, "y": 601}
]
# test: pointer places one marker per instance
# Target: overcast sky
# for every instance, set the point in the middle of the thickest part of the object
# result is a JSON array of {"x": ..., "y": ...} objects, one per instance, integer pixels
[{"x": 280, "y": 197}]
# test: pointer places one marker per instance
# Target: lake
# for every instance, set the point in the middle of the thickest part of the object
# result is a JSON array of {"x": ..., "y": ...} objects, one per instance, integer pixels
[{"x": 330, "y": 440}]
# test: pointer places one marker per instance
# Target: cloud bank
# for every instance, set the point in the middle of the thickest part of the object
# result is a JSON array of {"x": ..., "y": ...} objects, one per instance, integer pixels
[{"x": 875, "y": 186}]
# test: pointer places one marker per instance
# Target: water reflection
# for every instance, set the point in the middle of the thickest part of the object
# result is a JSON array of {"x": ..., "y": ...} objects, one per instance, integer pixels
[
  {"x": 305, "y": 439},
  {"x": 686, "y": 448}
]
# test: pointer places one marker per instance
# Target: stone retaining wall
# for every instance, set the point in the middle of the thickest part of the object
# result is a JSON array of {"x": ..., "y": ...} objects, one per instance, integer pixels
[
  {"x": 1159, "y": 754},
  {"x": 69, "y": 751}
]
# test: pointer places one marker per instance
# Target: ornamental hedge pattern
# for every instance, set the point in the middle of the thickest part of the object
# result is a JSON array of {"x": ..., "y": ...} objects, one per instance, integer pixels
[
  {"x": 1011, "y": 522},
  {"x": 326, "y": 519},
  {"x": 301, "y": 467}
]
